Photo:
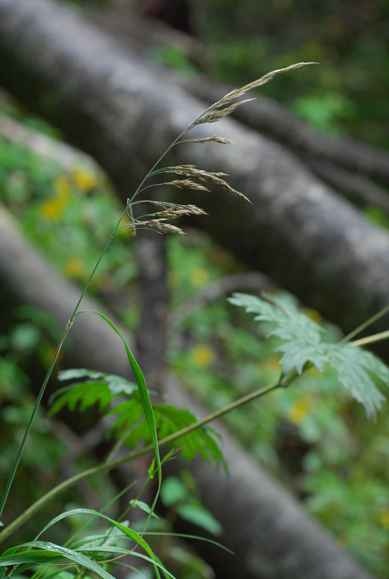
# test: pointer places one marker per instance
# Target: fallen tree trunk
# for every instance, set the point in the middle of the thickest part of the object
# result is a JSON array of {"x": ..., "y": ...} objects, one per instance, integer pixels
[
  {"x": 125, "y": 113},
  {"x": 263, "y": 525},
  {"x": 270, "y": 118}
]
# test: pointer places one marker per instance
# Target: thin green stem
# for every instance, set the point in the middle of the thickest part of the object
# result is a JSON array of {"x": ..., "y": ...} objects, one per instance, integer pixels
[
  {"x": 371, "y": 339},
  {"x": 106, "y": 466},
  {"x": 51, "y": 367},
  {"x": 152, "y": 172},
  {"x": 365, "y": 325}
]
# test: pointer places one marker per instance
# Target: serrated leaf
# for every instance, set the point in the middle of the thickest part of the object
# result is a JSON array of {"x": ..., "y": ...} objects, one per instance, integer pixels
[
  {"x": 302, "y": 335},
  {"x": 350, "y": 364},
  {"x": 297, "y": 354},
  {"x": 201, "y": 441},
  {"x": 74, "y": 373},
  {"x": 291, "y": 323},
  {"x": 168, "y": 421},
  {"x": 303, "y": 344},
  {"x": 119, "y": 386},
  {"x": 98, "y": 391},
  {"x": 128, "y": 413},
  {"x": 82, "y": 395},
  {"x": 373, "y": 364}
]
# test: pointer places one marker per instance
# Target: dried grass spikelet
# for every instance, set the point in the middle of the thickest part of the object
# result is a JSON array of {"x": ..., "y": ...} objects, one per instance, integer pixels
[
  {"x": 159, "y": 218},
  {"x": 211, "y": 177},
  {"x": 180, "y": 183},
  {"x": 192, "y": 175},
  {"x": 162, "y": 227},
  {"x": 214, "y": 116},
  {"x": 214, "y": 113},
  {"x": 174, "y": 212},
  {"x": 215, "y": 139}
]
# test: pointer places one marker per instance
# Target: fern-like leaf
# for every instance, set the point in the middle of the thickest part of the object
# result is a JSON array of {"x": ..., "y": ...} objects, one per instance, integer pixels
[
  {"x": 302, "y": 336},
  {"x": 102, "y": 389}
]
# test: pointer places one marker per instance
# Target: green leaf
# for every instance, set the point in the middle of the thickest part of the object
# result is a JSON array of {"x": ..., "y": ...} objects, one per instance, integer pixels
[
  {"x": 291, "y": 323},
  {"x": 195, "y": 513},
  {"x": 100, "y": 390},
  {"x": 128, "y": 413},
  {"x": 353, "y": 366},
  {"x": 202, "y": 440},
  {"x": 33, "y": 557},
  {"x": 143, "y": 507},
  {"x": 173, "y": 491},
  {"x": 130, "y": 533},
  {"x": 356, "y": 368},
  {"x": 302, "y": 335},
  {"x": 144, "y": 396},
  {"x": 50, "y": 553},
  {"x": 74, "y": 373},
  {"x": 82, "y": 395}
]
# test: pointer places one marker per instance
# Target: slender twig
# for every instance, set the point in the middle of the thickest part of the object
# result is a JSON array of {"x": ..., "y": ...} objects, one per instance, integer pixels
[
  {"x": 365, "y": 325},
  {"x": 371, "y": 339}
]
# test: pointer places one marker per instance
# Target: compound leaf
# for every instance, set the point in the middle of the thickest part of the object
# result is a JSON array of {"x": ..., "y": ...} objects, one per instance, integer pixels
[{"x": 303, "y": 344}]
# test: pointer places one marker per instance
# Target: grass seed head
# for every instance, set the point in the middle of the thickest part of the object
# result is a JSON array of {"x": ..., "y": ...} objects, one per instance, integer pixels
[{"x": 215, "y": 139}]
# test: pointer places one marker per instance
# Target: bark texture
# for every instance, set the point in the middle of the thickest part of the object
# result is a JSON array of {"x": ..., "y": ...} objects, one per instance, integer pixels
[
  {"x": 125, "y": 113},
  {"x": 266, "y": 528}
]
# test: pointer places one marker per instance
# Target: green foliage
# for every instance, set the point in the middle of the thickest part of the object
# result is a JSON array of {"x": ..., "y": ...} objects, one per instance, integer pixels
[
  {"x": 303, "y": 345},
  {"x": 345, "y": 95},
  {"x": 313, "y": 436},
  {"x": 68, "y": 213},
  {"x": 181, "y": 497},
  {"x": 174, "y": 57},
  {"x": 102, "y": 390},
  {"x": 87, "y": 553}
]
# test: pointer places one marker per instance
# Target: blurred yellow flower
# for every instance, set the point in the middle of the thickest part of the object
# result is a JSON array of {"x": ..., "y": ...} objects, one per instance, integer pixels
[
  {"x": 75, "y": 267},
  {"x": 383, "y": 518},
  {"x": 271, "y": 364},
  {"x": 299, "y": 410},
  {"x": 62, "y": 187},
  {"x": 313, "y": 315},
  {"x": 85, "y": 179},
  {"x": 54, "y": 207},
  {"x": 202, "y": 355},
  {"x": 199, "y": 277},
  {"x": 173, "y": 279}
]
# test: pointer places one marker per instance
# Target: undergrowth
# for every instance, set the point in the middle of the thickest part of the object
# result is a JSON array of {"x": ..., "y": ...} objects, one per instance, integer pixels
[{"x": 144, "y": 427}]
